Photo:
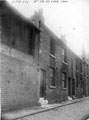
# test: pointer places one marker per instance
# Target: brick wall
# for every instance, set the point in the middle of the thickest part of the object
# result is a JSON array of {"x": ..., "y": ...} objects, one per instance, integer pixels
[
  {"x": 19, "y": 81},
  {"x": 18, "y": 73},
  {"x": 86, "y": 78},
  {"x": 56, "y": 93},
  {"x": 72, "y": 72}
]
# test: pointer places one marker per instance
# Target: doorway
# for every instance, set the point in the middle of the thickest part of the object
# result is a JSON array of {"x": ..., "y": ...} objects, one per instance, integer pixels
[
  {"x": 43, "y": 84},
  {"x": 69, "y": 87},
  {"x": 73, "y": 87}
]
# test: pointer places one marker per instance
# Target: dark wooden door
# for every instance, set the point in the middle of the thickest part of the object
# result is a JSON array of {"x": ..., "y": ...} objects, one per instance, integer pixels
[
  {"x": 73, "y": 86},
  {"x": 43, "y": 83},
  {"x": 69, "y": 87}
]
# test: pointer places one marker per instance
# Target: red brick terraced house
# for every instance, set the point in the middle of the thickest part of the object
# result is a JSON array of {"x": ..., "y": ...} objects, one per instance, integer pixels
[
  {"x": 53, "y": 64},
  {"x": 66, "y": 66}
]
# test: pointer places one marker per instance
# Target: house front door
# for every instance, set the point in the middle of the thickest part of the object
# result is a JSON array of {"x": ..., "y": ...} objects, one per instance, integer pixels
[
  {"x": 73, "y": 86},
  {"x": 69, "y": 87},
  {"x": 43, "y": 84}
]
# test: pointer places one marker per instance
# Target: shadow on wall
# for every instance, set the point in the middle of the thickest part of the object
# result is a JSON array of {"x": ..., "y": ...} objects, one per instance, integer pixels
[{"x": 17, "y": 32}]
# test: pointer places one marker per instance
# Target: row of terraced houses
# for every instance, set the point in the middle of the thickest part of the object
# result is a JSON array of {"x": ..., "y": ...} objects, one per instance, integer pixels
[{"x": 36, "y": 64}]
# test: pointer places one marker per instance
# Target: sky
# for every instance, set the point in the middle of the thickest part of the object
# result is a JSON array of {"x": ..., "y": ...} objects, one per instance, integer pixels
[{"x": 69, "y": 18}]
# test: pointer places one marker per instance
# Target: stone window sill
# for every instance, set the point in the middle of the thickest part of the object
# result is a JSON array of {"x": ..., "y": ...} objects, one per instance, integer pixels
[
  {"x": 52, "y": 87},
  {"x": 64, "y": 88},
  {"x": 65, "y": 63}
]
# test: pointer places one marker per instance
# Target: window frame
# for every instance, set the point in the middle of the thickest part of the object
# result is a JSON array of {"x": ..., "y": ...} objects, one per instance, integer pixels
[
  {"x": 52, "y": 76},
  {"x": 64, "y": 81},
  {"x": 52, "y": 46},
  {"x": 64, "y": 56}
]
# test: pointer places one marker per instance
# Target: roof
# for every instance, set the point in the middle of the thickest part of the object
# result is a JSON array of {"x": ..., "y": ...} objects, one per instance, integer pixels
[
  {"x": 58, "y": 40},
  {"x": 4, "y": 7}
]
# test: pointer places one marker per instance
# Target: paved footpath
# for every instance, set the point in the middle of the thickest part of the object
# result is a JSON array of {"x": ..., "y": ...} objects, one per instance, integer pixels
[
  {"x": 70, "y": 112},
  {"x": 76, "y": 111}
]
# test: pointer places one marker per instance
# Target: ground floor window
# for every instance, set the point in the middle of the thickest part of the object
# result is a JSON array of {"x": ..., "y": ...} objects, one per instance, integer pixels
[
  {"x": 64, "y": 82},
  {"x": 52, "y": 76}
]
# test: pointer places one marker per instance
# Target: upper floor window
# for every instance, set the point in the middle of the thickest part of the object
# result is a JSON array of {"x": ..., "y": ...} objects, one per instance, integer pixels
[
  {"x": 77, "y": 65},
  {"x": 52, "y": 46},
  {"x": 80, "y": 67},
  {"x": 87, "y": 70},
  {"x": 31, "y": 42},
  {"x": 0, "y": 33},
  {"x": 52, "y": 52},
  {"x": 64, "y": 55}
]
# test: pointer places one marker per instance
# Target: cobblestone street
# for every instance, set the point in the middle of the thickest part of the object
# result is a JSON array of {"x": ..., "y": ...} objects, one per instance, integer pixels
[{"x": 75, "y": 111}]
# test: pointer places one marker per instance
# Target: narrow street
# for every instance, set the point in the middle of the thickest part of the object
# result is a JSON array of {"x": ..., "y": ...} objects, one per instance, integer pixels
[
  {"x": 44, "y": 60},
  {"x": 76, "y": 111}
]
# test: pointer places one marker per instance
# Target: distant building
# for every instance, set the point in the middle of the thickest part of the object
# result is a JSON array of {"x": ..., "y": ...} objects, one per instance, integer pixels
[
  {"x": 85, "y": 72},
  {"x": 67, "y": 67},
  {"x": 87, "y": 58},
  {"x": 75, "y": 75}
]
